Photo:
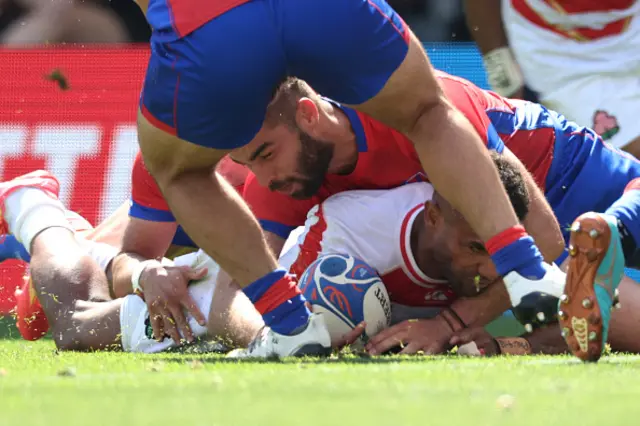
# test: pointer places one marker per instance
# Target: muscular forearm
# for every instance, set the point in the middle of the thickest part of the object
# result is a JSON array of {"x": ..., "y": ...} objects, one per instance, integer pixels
[
  {"x": 460, "y": 168},
  {"x": 484, "y": 21},
  {"x": 480, "y": 310},
  {"x": 218, "y": 221}
]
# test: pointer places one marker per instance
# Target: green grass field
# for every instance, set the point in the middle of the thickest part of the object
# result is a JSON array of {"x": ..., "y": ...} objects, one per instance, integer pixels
[{"x": 39, "y": 386}]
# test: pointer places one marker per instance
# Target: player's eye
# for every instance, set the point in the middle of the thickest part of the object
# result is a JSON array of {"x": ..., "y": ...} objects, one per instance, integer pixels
[
  {"x": 477, "y": 247},
  {"x": 266, "y": 156}
]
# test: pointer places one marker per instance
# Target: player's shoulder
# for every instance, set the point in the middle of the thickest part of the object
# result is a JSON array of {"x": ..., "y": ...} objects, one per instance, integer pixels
[{"x": 366, "y": 208}]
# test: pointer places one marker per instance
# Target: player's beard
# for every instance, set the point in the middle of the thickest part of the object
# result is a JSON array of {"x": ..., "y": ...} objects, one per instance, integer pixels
[{"x": 313, "y": 165}]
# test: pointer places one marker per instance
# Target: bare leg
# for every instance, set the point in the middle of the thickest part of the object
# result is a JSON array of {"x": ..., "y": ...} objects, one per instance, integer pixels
[
  {"x": 72, "y": 290},
  {"x": 232, "y": 317}
]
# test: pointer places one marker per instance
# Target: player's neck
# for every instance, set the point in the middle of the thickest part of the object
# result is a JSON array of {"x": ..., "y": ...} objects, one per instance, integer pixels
[
  {"x": 422, "y": 252},
  {"x": 338, "y": 130}
]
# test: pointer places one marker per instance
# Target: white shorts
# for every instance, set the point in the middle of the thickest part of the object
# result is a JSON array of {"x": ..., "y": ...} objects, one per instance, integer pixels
[{"x": 594, "y": 83}]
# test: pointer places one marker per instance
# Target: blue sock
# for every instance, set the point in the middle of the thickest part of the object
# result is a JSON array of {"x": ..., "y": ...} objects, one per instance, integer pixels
[
  {"x": 11, "y": 248},
  {"x": 627, "y": 210},
  {"x": 521, "y": 256},
  {"x": 288, "y": 317}
]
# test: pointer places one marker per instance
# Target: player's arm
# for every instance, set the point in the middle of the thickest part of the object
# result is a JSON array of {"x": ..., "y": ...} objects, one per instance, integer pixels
[
  {"x": 546, "y": 341},
  {"x": 142, "y": 240},
  {"x": 484, "y": 20},
  {"x": 540, "y": 222}
]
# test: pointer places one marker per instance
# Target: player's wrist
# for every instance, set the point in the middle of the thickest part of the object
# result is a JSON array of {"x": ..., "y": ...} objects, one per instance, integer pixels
[
  {"x": 137, "y": 281},
  {"x": 514, "y": 250},
  {"x": 513, "y": 346},
  {"x": 503, "y": 72},
  {"x": 452, "y": 319}
]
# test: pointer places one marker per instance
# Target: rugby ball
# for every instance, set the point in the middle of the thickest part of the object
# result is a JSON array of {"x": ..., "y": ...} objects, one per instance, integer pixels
[{"x": 347, "y": 291}]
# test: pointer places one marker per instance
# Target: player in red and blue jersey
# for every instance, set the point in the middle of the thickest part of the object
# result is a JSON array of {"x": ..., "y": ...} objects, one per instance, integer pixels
[
  {"x": 149, "y": 205},
  {"x": 213, "y": 70},
  {"x": 577, "y": 171}
]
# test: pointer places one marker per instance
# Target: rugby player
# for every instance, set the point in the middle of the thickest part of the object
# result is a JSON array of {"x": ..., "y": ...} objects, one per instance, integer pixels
[
  {"x": 580, "y": 56},
  {"x": 68, "y": 275},
  {"x": 139, "y": 218},
  {"x": 571, "y": 164},
  {"x": 212, "y": 72},
  {"x": 432, "y": 263}
]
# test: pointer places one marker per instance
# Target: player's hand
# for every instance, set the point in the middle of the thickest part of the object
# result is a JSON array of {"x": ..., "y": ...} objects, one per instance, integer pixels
[
  {"x": 430, "y": 336},
  {"x": 166, "y": 294},
  {"x": 485, "y": 343},
  {"x": 350, "y": 337}
]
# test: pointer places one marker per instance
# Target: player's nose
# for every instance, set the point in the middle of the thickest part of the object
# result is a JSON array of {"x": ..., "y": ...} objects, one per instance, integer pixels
[{"x": 264, "y": 176}]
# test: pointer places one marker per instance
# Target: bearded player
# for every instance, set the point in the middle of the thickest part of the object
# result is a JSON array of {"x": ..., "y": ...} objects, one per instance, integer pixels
[
  {"x": 575, "y": 169},
  {"x": 211, "y": 75}
]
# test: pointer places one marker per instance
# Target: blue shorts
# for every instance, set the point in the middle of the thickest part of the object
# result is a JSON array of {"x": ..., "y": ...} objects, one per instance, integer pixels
[
  {"x": 586, "y": 174},
  {"x": 212, "y": 86}
]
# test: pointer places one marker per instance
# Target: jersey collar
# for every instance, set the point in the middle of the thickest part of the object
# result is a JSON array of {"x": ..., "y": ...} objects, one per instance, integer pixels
[{"x": 356, "y": 124}]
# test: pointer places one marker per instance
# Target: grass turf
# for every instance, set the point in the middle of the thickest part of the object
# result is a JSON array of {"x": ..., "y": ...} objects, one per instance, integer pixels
[{"x": 40, "y": 386}]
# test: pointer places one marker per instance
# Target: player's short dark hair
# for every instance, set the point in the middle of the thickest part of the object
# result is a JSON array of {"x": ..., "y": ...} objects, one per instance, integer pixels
[
  {"x": 282, "y": 109},
  {"x": 513, "y": 182}
]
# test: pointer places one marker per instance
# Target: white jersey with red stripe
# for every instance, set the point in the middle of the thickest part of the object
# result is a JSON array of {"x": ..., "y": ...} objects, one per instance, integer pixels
[
  {"x": 375, "y": 226},
  {"x": 583, "y": 58}
]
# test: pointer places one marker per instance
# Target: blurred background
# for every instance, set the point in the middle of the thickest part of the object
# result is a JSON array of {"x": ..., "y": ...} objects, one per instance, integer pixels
[{"x": 45, "y": 21}]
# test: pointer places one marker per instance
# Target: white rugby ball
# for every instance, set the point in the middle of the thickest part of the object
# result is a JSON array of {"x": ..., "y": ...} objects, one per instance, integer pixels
[{"x": 347, "y": 291}]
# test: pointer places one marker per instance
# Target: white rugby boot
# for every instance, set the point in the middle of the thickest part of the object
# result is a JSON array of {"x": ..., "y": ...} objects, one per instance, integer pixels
[
  {"x": 314, "y": 340},
  {"x": 518, "y": 286}
]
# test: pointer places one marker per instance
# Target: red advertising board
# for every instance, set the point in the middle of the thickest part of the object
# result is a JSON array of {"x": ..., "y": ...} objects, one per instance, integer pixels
[{"x": 71, "y": 111}]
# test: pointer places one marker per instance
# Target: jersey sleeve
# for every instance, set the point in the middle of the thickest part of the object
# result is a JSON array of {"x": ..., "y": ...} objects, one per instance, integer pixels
[
  {"x": 276, "y": 212},
  {"x": 473, "y": 103},
  {"x": 147, "y": 202}
]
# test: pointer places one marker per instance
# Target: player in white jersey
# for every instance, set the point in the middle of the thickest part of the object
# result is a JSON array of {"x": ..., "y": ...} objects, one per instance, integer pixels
[
  {"x": 582, "y": 57},
  {"x": 429, "y": 259},
  {"x": 435, "y": 268}
]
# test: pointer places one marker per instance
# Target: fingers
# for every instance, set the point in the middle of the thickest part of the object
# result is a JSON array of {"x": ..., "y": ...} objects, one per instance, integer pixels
[
  {"x": 157, "y": 324},
  {"x": 413, "y": 348},
  {"x": 391, "y": 341},
  {"x": 170, "y": 325},
  {"x": 464, "y": 336},
  {"x": 351, "y": 336},
  {"x": 388, "y": 338},
  {"x": 194, "y": 273},
  {"x": 197, "y": 274},
  {"x": 181, "y": 324},
  {"x": 190, "y": 305}
]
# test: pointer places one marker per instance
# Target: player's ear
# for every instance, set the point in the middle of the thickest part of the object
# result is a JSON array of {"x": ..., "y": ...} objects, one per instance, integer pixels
[
  {"x": 307, "y": 114},
  {"x": 431, "y": 213}
]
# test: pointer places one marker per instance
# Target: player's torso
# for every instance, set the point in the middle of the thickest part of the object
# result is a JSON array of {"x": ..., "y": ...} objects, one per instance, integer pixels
[
  {"x": 579, "y": 20},
  {"x": 374, "y": 226}
]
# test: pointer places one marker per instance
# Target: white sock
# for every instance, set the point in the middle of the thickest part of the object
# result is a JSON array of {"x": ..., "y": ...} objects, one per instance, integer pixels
[
  {"x": 136, "y": 331},
  {"x": 29, "y": 211}
]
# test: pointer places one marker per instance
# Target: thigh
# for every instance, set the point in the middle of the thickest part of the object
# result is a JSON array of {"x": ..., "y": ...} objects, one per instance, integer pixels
[
  {"x": 212, "y": 87},
  {"x": 360, "y": 53},
  {"x": 345, "y": 49}
]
